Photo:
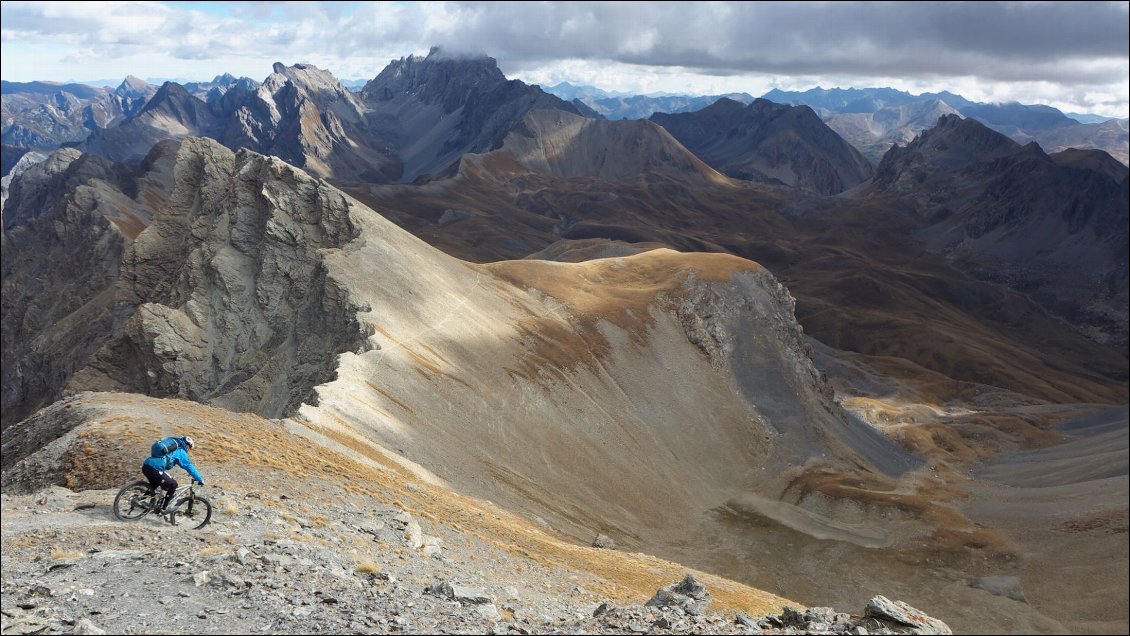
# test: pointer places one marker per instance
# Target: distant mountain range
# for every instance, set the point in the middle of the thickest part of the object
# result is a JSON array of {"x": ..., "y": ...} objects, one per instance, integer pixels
[
  {"x": 616, "y": 105},
  {"x": 874, "y": 119},
  {"x": 45, "y": 115}
]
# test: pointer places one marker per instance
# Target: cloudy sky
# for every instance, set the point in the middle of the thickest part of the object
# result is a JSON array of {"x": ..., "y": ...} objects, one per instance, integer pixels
[{"x": 1072, "y": 55}]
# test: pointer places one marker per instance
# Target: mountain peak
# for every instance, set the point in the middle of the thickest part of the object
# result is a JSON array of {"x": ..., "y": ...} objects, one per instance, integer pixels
[
  {"x": 175, "y": 101},
  {"x": 132, "y": 86},
  {"x": 307, "y": 75},
  {"x": 440, "y": 54},
  {"x": 566, "y": 145},
  {"x": 438, "y": 78},
  {"x": 953, "y": 144},
  {"x": 725, "y": 104},
  {"x": 769, "y": 142},
  {"x": 968, "y": 133},
  {"x": 318, "y": 84},
  {"x": 169, "y": 91}
]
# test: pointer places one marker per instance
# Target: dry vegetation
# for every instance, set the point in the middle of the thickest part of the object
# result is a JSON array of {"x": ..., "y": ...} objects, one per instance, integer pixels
[
  {"x": 266, "y": 455},
  {"x": 952, "y": 534}
]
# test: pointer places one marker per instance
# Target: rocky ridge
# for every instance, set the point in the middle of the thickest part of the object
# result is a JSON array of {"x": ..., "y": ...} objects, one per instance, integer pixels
[
  {"x": 414, "y": 120},
  {"x": 299, "y": 113},
  {"x": 21, "y": 161},
  {"x": 874, "y": 133}
]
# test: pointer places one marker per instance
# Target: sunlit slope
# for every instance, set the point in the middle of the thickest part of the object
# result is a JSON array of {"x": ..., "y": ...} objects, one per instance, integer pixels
[{"x": 620, "y": 395}]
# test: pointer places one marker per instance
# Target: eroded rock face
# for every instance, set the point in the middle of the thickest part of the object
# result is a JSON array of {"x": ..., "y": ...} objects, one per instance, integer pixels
[
  {"x": 62, "y": 245},
  {"x": 24, "y": 160},
  {"x": 198, "y": 276}
]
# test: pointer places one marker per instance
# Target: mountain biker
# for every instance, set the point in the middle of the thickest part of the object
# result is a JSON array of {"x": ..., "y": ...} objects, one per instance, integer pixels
[{"x": 156, "y": 469}]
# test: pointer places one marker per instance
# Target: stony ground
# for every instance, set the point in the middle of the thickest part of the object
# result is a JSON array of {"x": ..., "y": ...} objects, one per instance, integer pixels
[{"x": 315, "y": 560}]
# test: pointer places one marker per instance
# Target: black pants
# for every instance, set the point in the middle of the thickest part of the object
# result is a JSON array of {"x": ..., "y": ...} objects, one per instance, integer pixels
[{"x": 160, "y": 479}]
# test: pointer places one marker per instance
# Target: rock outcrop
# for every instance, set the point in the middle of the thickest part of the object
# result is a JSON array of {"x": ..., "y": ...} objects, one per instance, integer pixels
[
  {"x": 64, "y": 235},
  {"x": 16, "y": 162},
  {"x": 197, "y": 275},
  {"x": 688, "y": 595}
]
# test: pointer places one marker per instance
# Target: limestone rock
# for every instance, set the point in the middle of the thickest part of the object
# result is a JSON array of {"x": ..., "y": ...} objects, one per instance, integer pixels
[
  {"x": 463, "y": 594},
  {"x": 885, "y": 609},
  {"x": 604, "y": 541},
  {"x": 414, "y": 535}
]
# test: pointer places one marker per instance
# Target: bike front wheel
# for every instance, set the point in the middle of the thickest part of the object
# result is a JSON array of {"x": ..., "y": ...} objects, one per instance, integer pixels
[
  {"x": 134, "y": 501},
  {"x": 195, "y": 512}
]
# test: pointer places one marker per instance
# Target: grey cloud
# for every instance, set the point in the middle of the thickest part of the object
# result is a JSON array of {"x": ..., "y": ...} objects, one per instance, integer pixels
[
  {"x": 997, "y": 41},
  {"x": 1067, "y": 48}
]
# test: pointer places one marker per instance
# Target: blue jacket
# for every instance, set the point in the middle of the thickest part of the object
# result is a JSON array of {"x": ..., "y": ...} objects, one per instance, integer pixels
[{"x": 175, "y": 458}]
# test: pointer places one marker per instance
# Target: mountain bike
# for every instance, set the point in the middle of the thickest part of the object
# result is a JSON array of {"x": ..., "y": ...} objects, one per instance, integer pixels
[{"x": 138, "y": 499}]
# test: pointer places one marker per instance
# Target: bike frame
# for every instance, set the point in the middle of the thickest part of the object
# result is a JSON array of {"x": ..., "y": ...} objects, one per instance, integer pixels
[{"x": 178, "y": 493}]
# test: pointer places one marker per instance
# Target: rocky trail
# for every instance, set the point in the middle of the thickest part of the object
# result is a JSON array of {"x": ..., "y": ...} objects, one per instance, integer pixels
[{"x": 305, "y": 556}]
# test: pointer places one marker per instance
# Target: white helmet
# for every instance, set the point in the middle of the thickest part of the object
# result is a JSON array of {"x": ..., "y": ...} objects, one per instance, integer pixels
[{"x": 189, "y": 442}]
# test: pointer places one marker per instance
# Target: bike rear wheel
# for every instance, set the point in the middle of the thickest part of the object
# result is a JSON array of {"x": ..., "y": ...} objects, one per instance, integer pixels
[
  {"x": 134, "y": 501},
  {"x": 195, "y": 512}
]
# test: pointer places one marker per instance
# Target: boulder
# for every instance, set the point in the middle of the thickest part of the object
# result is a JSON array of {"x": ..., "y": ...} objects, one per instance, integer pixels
[
  {"x": 882, "y": 608},
  {"x": 688, "y": 595}
]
